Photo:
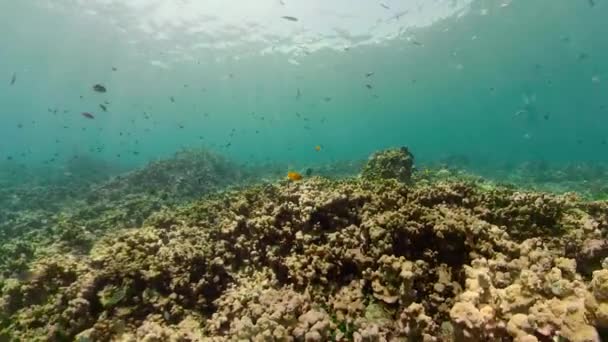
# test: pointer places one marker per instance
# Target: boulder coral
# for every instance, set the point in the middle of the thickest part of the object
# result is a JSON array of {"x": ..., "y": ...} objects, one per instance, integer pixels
[{"x": 396, "y": 163}]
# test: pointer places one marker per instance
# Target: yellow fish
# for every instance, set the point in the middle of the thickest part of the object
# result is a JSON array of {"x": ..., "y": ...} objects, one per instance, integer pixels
[{"x": 294, "y": 176}]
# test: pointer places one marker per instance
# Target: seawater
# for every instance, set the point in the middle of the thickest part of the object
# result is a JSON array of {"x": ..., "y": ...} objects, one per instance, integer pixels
[{"x": 494, "y": 82}]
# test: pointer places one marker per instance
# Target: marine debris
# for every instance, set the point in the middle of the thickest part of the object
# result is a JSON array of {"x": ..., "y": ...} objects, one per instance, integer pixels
[{"x": 363, "y": 259}]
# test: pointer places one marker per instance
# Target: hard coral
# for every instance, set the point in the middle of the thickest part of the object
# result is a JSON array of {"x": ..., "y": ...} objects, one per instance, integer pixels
[
  {"x": 320, "y": 260},
  {"x": 394, "y": 163}
]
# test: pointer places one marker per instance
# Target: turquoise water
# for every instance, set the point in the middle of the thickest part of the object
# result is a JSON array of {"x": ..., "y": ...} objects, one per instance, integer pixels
[{"x": 494, "y": 81}]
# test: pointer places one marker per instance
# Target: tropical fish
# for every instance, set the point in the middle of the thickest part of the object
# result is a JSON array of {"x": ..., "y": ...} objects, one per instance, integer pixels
[
  {"x": 88, "y": 115},
  {"x": 318, "y": 148},
  {"x": 309, "y": 172},
  {"x": 294, "y": 176},
  {"x": 290, "y": 18},
  {"x": 14, "y": 78},
  {"x": 368, "y": 86},
  {"x": 99, "y": 88},
  {"x": 104, "y": 108},
  {"x": 369, "y": 74}
]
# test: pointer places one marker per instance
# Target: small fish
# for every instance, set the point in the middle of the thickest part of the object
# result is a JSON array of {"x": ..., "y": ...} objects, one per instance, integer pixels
[
  {"x": 327, "y": 99},
  {"x": 308, "y": 172},
  {"x": 546, "y": 116},
  {"x": 369, "y": 74},
  {"x": 368, "y": 86},
  {"x": 591, "y": 3},
  {"x": 99, "y": 88},
  {"x": 385, "y": 6},
  {"x": 104, "y": 108},
  {"x": 582, "y": 56},
  {"x": 520, "y": 112},
  {"x": 14, "y": 78},
  {"x": 290, "y": 18},
  {"x": 88, "y": 115},
  {"x": 294, "y": 176},
  {"x": 172, "y": 99},
  {"x": 298, "y": 94},
  {"x": 318, "y": 148},
  {"x": 417, "y": 43},
  {"x": 114, "y": 69}
]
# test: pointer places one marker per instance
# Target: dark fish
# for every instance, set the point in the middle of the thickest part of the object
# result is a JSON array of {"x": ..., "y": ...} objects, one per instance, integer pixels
[
  {"x": 9, "y": 158},
  {"x": 591, "y": 3},
  {"x": 88, "y": 115},
  {"x": 298, "y": 94},
  {"x": 369, "y": 74},
  {"x": 546, "y": 116},
  {"x": 385, "y": 6},
  {"x": 327, "y": 99},
  {"x": 14, "y": 78},
  {"x": 106, "y": 102},
  {"x": 104, "y": 108},
  {"x": 417, "y": 43},
  {"x": 99, "y": 88},
  {"x": 308, "y": 172},
  {"x": 369, "y": 86},
  {"x": 582, "y": 56},
  {"x": 172, "y": 99},
  {"x": 282, "y": 2},
  {"x": 290, "y": 18},
  {"x": 114, "y": 69}
]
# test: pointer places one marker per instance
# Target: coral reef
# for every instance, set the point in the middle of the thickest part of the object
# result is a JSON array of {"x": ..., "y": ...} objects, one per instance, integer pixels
[
  {"x": 70, "y": 216},
  {"x": 394, "y": 163},
  {"x": 361, "y": 259}
]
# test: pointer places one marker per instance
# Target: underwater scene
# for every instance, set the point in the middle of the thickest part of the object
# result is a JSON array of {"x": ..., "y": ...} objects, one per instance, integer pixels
[{"x": 304, "y": 170}]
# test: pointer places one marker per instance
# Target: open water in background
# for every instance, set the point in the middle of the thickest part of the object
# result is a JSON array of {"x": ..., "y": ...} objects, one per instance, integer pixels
[{"x": 492, "y": 81}]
